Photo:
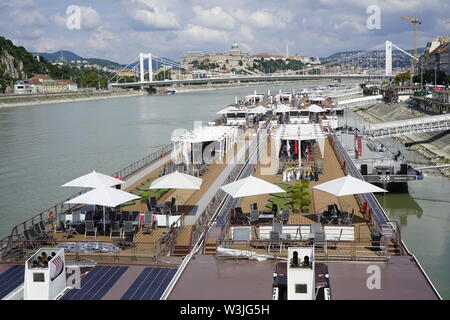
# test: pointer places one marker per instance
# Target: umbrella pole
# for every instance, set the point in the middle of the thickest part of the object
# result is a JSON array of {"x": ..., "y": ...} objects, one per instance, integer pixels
[{"x": 104, "y": 222}]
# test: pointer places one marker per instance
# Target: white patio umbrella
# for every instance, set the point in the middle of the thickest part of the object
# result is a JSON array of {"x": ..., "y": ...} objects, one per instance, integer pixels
[
  {"x": 347, "y": 185},
  {"x": 104, "y": 196},
  {"x": 94, "y": 180},
  {"x": 250, "y": 186},
  {"x": 177, "y": 180}
]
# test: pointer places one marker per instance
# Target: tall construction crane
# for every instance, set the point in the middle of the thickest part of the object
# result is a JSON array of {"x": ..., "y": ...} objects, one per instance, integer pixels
[{"x": 415, "y": 22}]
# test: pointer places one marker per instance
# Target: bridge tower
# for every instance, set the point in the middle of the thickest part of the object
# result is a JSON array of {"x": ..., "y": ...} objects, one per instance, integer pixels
[
  {"x": 388, "y": 58},
  {"x": 142, "y": 57}
]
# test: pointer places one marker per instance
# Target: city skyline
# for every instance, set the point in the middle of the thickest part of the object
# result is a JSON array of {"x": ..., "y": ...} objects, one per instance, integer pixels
[{"x": 119, "y": 30}]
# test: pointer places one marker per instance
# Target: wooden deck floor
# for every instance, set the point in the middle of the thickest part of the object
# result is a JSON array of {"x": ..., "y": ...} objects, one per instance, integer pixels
[{"x": 319, "y": 199}]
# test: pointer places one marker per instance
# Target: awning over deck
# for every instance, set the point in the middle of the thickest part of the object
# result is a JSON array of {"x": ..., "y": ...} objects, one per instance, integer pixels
[
  {"x": 299, "y": 132},
  {"x": 223, "y": 137}
]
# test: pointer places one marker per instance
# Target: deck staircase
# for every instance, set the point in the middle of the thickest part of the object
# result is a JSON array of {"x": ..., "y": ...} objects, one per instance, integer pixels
[
  {"x": 210, "y": 246},
  {"x": 182, "y": 245}
]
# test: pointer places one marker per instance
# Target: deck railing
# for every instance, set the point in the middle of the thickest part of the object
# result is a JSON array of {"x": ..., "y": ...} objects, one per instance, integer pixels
[
  {"x": 202, "y": 224},
  {"x": 324, "y": 250},
  {"x": 378, "y": 219},
  {"x": 46, "y": 216},
  {"x": 20, "y": 250}
]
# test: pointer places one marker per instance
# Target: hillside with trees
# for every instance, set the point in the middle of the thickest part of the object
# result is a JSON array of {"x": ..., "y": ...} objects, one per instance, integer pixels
[{"x": 16, "y": 63}]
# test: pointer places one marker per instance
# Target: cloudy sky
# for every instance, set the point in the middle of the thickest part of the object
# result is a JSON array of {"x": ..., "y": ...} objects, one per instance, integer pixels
[{"x": 120, "y": 29}]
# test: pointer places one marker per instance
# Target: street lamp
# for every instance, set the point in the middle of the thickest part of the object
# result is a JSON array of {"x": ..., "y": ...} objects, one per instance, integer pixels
[{"x": 435, "y": 76}]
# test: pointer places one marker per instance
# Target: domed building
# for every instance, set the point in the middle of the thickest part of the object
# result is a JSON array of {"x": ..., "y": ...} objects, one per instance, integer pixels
[{"x": 233, "y": 60}]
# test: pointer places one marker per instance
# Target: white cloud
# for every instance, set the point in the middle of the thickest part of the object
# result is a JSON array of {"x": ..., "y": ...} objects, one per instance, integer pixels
[
  {"x": 151, "y": 14},
  {"x": 214, "y": 18},
  {"x": 90, "y": 19},
  {"x": 265, "y": 18},
  {"x": 202, "y": 34}
]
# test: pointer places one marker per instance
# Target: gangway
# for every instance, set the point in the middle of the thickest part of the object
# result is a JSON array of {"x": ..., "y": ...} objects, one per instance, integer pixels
[
  {"x": 345, "y": 95},
  {"x": 409, "y": 126},
  {"x": 358, "y": 102}
]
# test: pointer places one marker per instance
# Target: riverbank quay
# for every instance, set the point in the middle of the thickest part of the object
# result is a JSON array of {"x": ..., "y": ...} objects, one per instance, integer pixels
[
  {"x": 435, "y": 146},
  {"x": 20, "y": 100}
]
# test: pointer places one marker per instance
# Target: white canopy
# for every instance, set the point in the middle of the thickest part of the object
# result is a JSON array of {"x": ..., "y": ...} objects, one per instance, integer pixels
[
  {"x": 232, "y": 109},
  {"x": 177, "y": 180},
  {"x": 283, "y": 108},
  {"x": 224, "y": 136},
  {"x": 315, "y": 108},
  {"x": 258, "y": 110},
  {"x": 250, "y": 186},
  {"x": 347, "y": 185},
  {"x": 300, "y": 131},
  {"x": 104, "y": 196},
  {"x": 94, "y": 180}
]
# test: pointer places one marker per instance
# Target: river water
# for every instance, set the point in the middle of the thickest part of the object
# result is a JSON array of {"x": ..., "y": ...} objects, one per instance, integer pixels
[{"x": 44, "y": 146}]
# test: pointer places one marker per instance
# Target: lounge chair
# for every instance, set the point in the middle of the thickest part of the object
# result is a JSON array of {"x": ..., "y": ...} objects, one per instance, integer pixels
[
  {"x": 240, "y": 216},
  {"x": 347, "y": 219},
  {"x": 115, "y": 229},
  {"x": 284, "y": 215},
  {"x": 31, "y": 243},
  {"x": 89, "y": 226},
  {"x": 254, "y": 217},
  {"x": 128, "y": 231},
  {"x": 277, "y": 227},
  {"x": 147, "y": 224},
  {"x": 67, "y": 231},
  {"x": 275, "y": 241}
]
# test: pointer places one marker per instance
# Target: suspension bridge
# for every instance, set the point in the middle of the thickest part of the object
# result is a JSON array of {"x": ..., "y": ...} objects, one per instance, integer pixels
[{"x": 373, "y": 64}]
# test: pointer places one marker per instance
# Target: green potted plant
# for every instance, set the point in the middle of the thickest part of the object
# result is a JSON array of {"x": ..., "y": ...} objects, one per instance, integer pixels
[
  {"x": 296, "y": 204},
  {"x": 144, "y": 197}
]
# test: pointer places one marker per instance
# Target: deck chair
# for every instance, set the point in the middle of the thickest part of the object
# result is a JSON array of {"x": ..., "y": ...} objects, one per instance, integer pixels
[
  {"x": 112, "y": 216},
  {"x": 284, "y": 215},
  {"x": 31, "y": 243},
  {"x": 67, "y": 231},
  {"x": 115, "y": 229},
  {"x": 335, "y": 241},
  {"x": 42, "y": 227},
  {"x": 277, "y": 227},
  {"x": 319, "y": 239},
  {"x": 147, "y": 224},
  {"x": 241, "y": 216},
  {"x": 89, "y": 216},
  {"x": 128, "y": 231},
  {"x": 254, "y": 217},
  {"x": 76, "y": 217},
  {"x": 275, "y": 241},
  {"x": 347, "y": 219},
  {"x": 89, "y": 226},
  {"x": 38, "y": 233}
]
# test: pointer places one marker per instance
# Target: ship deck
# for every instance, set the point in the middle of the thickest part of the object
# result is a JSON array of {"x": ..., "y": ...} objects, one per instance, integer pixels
[{"x": 222, "y": 277}]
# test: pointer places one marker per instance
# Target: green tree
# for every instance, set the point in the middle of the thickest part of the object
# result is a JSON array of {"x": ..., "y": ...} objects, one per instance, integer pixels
[{"x": 402, "y": 78}]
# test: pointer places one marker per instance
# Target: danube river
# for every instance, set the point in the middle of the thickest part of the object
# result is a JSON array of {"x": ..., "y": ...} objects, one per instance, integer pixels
[{"x": 44, "y": 146}]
